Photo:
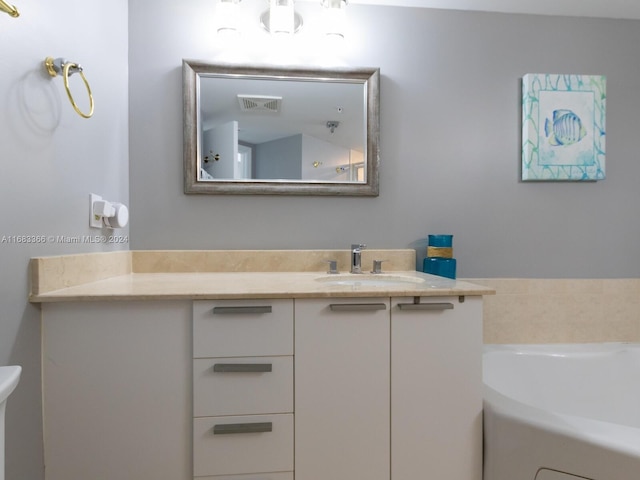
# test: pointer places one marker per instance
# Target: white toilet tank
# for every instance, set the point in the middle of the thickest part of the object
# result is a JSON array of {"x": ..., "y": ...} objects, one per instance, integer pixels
[{"x": 9, "y": 377}]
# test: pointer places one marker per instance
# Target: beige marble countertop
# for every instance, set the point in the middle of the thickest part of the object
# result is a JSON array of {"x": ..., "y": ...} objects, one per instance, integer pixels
[
  {"x": 233, "y": 285},
  {"x": 170, "y": 275}
]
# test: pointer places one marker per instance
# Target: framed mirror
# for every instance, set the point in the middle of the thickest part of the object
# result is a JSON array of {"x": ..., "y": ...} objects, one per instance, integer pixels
[{"x": 282, "y": 131}]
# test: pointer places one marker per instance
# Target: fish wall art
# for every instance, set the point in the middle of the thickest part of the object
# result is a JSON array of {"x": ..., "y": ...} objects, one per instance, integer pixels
[{"x": 563, "y": 127}]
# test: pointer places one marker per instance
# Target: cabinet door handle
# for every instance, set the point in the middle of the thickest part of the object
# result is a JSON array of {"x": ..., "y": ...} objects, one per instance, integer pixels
[
  {"x": 228, "y": 428},
  {"x": 357, "y": 307},
  {"x": 247, "y": 309},
  {"x": 426, "y": 306},
  {"x": 242, "y": 367}
]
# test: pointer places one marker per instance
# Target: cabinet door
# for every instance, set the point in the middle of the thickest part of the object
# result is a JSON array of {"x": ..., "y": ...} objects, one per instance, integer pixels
[
  {"x": 117, "y": 390},
  {"x": 436, "y": 389},
  {"x": 342, "y": 389}
]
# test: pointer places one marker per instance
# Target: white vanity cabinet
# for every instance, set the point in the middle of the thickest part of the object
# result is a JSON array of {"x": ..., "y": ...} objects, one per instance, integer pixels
[
  {"x": 243, "y": 389},
  {"x": 338, "y": 388},
  {"x": 342, "y": 389}
]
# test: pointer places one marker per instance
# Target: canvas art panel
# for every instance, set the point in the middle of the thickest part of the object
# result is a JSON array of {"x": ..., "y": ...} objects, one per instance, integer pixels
[{"x": 563, "y": 127}]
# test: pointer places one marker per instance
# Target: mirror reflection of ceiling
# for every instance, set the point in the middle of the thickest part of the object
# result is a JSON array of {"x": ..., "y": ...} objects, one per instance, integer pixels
[{"x": 301, "y": 109}]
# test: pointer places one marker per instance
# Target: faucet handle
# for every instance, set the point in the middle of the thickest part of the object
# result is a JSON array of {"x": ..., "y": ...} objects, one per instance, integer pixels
[
  {"x": 377, "y": 266},
  {"x": 357, "y": 246},
  {"x": 333, "y": 266}
]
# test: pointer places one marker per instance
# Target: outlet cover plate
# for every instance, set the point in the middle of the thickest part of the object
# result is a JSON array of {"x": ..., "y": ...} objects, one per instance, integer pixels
[{"x": 95, "y": 221}]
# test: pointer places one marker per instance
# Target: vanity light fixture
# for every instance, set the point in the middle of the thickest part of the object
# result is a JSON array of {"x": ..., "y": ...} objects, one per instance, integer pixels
[
  {"x": 335, "y": 19},
  {"x": 281, "y": 18},
  {"x": 228, "y": 15}
]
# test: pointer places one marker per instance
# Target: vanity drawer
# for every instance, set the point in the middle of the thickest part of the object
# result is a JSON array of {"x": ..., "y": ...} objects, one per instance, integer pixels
[
  {"x": 262, "y": 443},
  {"x": 240, "y": 328},
  {"x": 242, "y": 386}
]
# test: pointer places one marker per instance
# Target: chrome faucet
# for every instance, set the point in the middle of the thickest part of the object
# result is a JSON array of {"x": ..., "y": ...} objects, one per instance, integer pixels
[{"x": 356, "y": 257}]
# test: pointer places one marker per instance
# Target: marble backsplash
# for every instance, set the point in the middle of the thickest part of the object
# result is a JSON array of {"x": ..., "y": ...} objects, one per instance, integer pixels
[
  {"x": 561, "y": 310},
  {"x": 176, "y": 261}
]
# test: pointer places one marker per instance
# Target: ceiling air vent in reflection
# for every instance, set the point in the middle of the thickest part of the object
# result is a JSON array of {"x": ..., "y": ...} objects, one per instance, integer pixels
[{"x": 259, "y": 103}]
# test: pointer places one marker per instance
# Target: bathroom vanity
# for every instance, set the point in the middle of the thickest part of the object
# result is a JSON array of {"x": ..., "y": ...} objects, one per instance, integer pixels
[{"x": 162, "y": 373}]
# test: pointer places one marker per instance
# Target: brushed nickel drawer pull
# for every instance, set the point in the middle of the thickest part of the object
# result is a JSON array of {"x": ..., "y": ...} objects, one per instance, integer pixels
[
  {"x": 426, "y": 306},
  {"x": 248, "y": 309},
  {"x": 242, "y": 367},
  {"x": 225, "y": 429},
  {"x": 357, "y": 307}
]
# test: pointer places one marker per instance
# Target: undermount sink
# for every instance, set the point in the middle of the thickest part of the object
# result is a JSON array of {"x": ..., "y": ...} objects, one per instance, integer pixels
[{"x": 369, "y": 280}]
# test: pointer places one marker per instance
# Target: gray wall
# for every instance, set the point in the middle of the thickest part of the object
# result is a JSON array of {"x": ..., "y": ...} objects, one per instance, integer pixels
[
  {"x": 450, "y": 142},
  {"x": 279, "y": 158},
  {"x": 51, "y": 160}
]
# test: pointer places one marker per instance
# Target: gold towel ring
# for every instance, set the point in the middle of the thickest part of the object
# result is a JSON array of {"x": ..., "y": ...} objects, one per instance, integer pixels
[
  {"x": 68, "y": 68},
  {"x": 10, "y": 9}
]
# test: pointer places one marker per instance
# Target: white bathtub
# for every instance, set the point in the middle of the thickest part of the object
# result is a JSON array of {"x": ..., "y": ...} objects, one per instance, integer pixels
[{"x": 562, "y": 412}]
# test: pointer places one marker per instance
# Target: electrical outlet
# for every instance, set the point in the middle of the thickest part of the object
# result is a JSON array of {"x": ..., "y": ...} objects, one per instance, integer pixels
[{"x": 95, "y": 221}]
